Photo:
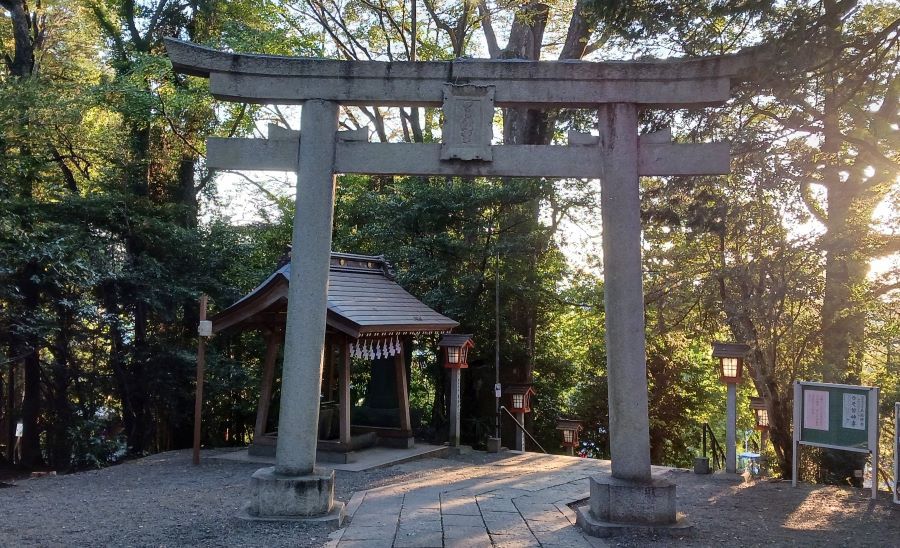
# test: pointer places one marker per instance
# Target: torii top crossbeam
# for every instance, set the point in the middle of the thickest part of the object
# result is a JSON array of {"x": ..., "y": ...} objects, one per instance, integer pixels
[
  {"x": 271, "y": 79},
  {"x": 472, "y": 88}
]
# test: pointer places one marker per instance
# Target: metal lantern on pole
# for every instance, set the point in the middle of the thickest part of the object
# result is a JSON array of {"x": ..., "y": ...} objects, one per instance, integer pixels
[
  {"x": 760, "y": 413},
  {"x": 456, "y": 353},
  {"x": 519, "y": 397},
  {"x": 731, "y": 365},
  {"x": 731, "y": 360},
  {"x": 456, "y": 350},
  {"x": 569, "y": 429},
  {"x": 519, "y": 403}
]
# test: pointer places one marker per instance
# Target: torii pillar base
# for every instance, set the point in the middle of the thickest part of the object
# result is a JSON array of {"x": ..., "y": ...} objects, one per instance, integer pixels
[
  {"x": 627, "y": 507},
  {"x": 309, "y": 497}
]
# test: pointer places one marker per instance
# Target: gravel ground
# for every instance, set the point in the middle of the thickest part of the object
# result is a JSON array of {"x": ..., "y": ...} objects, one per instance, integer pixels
[{"x": 163, "y": 500}]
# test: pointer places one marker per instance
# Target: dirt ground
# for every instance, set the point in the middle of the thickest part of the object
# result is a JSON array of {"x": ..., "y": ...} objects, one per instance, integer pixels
[
  {"x": 774, "y": 513},
  {"x": 163, "y": 500}
]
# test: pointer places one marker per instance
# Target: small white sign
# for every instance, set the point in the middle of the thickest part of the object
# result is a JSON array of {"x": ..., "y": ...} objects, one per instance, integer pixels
[
  {"x": 854, "y": 416},
  {"x": 497, "y": 391},
  {"x": 205, "y": 328},
  {"x": 20, "y": 430},
  {"x": 815, "y": 409}
]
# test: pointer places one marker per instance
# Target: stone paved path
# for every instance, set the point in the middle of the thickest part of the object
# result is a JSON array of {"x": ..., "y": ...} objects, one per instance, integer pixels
[{"x": 517, "y": 502}]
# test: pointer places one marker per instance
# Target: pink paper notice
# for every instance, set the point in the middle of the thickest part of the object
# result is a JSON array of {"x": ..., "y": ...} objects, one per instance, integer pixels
[{"x": 815, "y": 409}]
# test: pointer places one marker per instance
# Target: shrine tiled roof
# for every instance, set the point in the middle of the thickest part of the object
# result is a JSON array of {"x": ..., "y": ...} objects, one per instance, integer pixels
[{"x": 363, "y": 299}]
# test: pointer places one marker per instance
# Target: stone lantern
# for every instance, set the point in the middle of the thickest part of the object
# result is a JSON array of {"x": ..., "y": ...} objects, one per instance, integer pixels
[
  {"x": 519, "y": 402},
  {"x": 731, "y": 364},
  {"x": 456, "y": 353},
  {"x": 569, "y": 429}
]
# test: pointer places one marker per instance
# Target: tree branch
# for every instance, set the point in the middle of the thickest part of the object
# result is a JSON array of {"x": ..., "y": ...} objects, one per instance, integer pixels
[
  {"x": 887, "y": 246},
  {"x": 812, "y": 205},
  {"x": 68, "y": 176},
  {"x": 487, "y": 27}
]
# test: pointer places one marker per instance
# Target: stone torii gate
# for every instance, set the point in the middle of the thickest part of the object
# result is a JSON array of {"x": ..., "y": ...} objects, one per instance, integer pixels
[{"x": 468, "y": 91}]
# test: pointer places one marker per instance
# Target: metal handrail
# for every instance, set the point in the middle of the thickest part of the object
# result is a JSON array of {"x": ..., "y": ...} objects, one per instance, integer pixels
[
  {"x": 522, "y": 428},
  {"x": 718, "y": 454}
]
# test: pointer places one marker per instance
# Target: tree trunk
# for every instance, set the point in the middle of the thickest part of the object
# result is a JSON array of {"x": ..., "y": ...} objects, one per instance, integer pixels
[
  {"x": 846, "y": 266},
  {"x": 21, "y": 64},
  {"x": 59, "y": 442},
  {"x": 21, "y": 67},
  {"x": 31, "y": 410}
]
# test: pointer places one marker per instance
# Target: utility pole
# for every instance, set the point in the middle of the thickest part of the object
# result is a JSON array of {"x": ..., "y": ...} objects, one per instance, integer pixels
[{"x": 497, "y": 346}]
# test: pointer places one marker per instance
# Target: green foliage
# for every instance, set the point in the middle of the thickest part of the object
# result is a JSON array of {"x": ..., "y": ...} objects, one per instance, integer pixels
[{"x": 110, "y": 228}]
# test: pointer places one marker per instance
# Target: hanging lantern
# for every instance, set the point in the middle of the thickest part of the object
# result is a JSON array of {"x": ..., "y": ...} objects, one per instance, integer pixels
[
  {"x": 456, "y": 350},
  {"x": 569, "y": 429},
  {"x": 519, "y": 397},
  {"x": 760, "y": 413},
  {"x": 731, "y": 360}
]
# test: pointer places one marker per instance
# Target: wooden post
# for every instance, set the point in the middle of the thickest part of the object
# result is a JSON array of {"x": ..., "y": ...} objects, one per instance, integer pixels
[
  {"x": 265, "y": 389},
  {"x": 344, "y": 393},
  {"x": 11, "y": 411},
  {"x": 198, "y": 398},
  {"x": 402, "y": 391}
]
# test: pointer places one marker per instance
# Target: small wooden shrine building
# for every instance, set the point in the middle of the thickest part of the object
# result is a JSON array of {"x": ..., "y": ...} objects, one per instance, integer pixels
[{"x": 369, "y": 317}]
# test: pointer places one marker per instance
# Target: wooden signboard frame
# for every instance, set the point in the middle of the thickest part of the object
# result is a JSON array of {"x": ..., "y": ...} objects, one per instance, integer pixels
[
  {"x": 836, "y": 416},
  {"x": 896, "y": 452}
]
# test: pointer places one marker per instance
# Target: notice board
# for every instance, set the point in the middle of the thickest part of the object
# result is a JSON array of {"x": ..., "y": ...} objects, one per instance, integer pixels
[{"x": 836, "y": 416}]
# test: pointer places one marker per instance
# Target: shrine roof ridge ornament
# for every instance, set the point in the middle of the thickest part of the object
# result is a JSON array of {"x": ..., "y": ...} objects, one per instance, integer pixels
[{"x": 275, "y": 79}]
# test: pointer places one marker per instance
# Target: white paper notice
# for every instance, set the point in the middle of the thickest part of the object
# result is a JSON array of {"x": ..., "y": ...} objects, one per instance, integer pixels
[
  {"x": 854, "y": 412},
  {"x": 815, "y": 409}
]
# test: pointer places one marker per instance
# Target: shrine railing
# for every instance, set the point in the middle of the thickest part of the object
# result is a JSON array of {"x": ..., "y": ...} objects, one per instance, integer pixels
[
  {"x": 717, "y": 459},
  {"x": 521, "y": 427}
]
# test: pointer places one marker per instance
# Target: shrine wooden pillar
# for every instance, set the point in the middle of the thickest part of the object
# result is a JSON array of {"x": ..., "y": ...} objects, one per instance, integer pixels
[
  {"x": 273, "y": 345},
  {"x": 402, "y": 390},
  {"x": 345, "y": 406}
]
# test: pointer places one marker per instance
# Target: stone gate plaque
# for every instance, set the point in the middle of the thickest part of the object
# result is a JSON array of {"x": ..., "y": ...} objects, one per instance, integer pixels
[{"x": 468, "y": 122}]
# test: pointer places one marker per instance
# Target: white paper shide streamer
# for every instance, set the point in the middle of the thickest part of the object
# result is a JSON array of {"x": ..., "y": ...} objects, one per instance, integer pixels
[{"x": 371, "y": 347}]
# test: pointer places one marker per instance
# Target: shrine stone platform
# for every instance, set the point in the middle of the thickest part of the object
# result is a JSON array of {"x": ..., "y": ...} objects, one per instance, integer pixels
[{"x": 367, "y": 459}]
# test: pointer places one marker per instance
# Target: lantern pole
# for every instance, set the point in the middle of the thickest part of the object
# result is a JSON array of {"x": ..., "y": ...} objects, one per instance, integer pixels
[
  {"x": 455, "y": 348},
  {"x": 730, "y": 438},
  {"x": 454, "y": 407},
  {"x": 520, "y": 435}
]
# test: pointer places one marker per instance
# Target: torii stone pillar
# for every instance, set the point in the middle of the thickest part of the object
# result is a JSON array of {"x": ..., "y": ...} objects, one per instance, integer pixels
[
  {"x": 620, "y": 212},
  {"x": 294, "y": 487},
  {"x": 631, "y": 497}
]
